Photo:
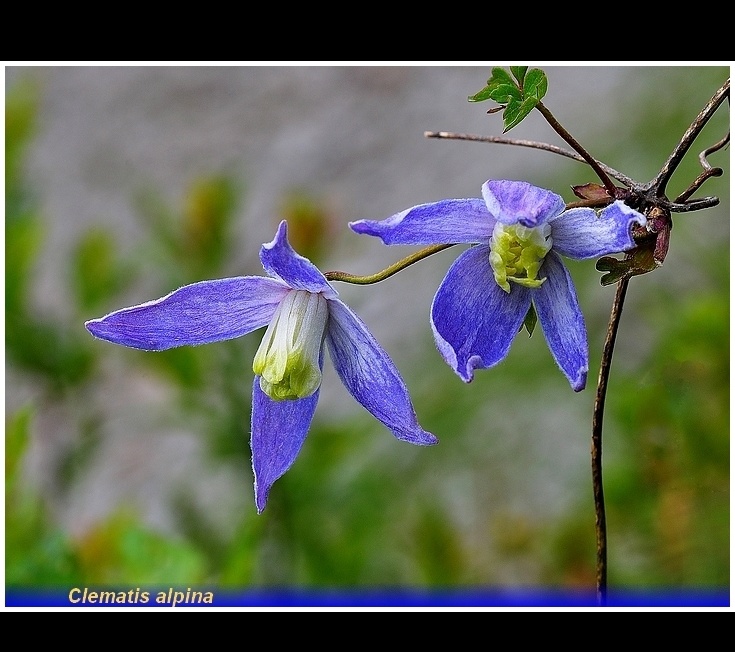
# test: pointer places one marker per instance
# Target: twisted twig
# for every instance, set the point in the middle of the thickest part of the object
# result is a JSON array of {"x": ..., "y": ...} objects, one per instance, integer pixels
[{"x": 708, "y": 171}]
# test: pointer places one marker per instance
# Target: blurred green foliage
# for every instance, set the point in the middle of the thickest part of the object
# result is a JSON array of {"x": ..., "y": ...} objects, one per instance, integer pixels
[
  {"x": 193, "y": 242},
  {"x": 672, "y": 498},
  {"x": 358, "y": 509},
  {"x": 36, "y": 343}
]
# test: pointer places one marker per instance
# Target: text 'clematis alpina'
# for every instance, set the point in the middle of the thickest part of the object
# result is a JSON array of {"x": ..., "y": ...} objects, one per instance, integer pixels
[
  {"x": 519, "y": 232},
  {"x": 302, "y": 311}
]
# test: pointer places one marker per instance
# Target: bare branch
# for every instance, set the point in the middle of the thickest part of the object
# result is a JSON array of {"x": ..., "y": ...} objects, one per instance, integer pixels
[
  {"x": 716, "y": 147},
  {"x": 499, "y": 140},
  {"x": 693, "y": 205},
  {"x": 709, "y": 171},
  {"x": 589, "y": 159},
  {"x": 667, "y": 170}
]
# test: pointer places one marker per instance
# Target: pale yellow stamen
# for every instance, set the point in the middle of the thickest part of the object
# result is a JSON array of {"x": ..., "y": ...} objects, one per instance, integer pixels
[
  {"x": 517, "y": 253},
  {"x": 287, "y": 359}
]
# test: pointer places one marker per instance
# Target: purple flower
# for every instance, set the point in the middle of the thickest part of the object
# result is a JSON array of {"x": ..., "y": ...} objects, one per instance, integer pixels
[
  {"x": 302, "y": 311},
  {"x": 518, "y": 232}
]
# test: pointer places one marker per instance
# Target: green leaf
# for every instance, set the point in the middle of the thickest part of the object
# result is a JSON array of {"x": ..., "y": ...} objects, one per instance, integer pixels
[
  {"x": 615, "y": 270},
  {"x": 519, "y": 72},
  {"x": 505, "y": 93},
  {"x": 535, "y": 84},
  {"x": 500, "y": 76},
  {"x": 640, "y": 260},
  {"x": 529, "y": 321},
  {"x": 482, "y": 95},
  {"x": 518, "y": 98},
  {"x": 516, "y": 111},
  {"x": 500, "y": 87}
]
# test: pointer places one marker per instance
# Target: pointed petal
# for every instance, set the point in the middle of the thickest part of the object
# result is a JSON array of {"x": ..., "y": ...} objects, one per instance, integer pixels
[
  {"x": 280, "y": 260},
  {"x": 562, "y": 321},
  {"x": 580, "y": 233},
  {"x": 278, "y": 431},
  {"x": 204, "y": 312},
  {"x": 512, "y": 202},
  {"x": 370, "y": 375},
  {"x": 473, "y": 318},
  {"x": 443, "y": 222}
]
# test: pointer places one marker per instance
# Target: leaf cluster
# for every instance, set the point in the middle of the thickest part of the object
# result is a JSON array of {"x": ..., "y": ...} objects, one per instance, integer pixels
[{"x": 516, "y": 97}]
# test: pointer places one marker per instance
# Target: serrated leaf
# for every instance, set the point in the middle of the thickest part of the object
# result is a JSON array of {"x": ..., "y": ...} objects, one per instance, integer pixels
[
  {"x": 517, "y": 111},
  {"x": 500, "y": 76},
  {"x": 637, "y": 261},
  {"x": 535, "y": 84},
  {"x": 519, "y": 72},
  {"x": 616, "y": 270},
  {"x": 481, "y": 96}
]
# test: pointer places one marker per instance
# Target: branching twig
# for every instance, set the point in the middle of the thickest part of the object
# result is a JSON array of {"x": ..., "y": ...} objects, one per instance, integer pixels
[
  {"x": 651, "y": 195},
  {"x": 593, "y": 163},
  {"x": 649, "y": 198},
  {"x": 667, "y": 170}
]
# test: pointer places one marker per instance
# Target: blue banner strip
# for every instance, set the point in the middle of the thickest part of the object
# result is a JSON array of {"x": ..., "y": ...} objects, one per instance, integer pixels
[{"x": 81, "y": 596}]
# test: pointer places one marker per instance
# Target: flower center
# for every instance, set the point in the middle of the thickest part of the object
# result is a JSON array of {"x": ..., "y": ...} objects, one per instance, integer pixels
[
  {"x": 287, "y": 360},
  {"x": 517, "y": 253}
]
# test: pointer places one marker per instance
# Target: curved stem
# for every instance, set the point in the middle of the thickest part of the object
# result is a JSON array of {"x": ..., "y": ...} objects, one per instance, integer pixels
[
  {"x": 593, "y": 163},
  {"x": 693, "y": 205},
  {"x": 388, "y": 271},
  {"x": 596, "y": 449},
  {"x": 708, "y": 170}
]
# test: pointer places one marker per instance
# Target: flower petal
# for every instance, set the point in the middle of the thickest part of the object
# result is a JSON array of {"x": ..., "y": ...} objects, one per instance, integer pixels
[
  {"x": 513, "y": 202},
  {"x": 443, "y": 222},
  {"x": 280, "y": 260},
  {"x": 370, "y": 375},
  {"x": 203, "y": 312},
  {"x": 580, "y": 233},
  {"x": 562, "y": 321},
  {"x": 473, "y": 318},
  {"x": 278, "y": 431}
]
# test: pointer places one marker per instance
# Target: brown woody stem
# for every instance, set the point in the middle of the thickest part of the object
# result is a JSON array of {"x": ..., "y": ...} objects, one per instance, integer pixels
[{"x": 596, "y": 448}]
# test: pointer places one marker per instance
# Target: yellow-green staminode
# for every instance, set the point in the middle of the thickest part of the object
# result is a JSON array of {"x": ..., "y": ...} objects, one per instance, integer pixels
[
  {"x": 517, "y": 253},
  {"x": 287, "y": 360}
]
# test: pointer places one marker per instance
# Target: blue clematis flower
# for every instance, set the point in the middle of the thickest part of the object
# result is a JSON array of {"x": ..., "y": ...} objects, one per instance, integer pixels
[
  {"x": 302, "y": 311},
  {"x": 519, "y": 232}
]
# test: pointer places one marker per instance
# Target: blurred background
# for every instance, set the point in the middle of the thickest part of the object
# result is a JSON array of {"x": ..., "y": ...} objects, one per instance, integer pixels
[{"x": 129, "y": 468}]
